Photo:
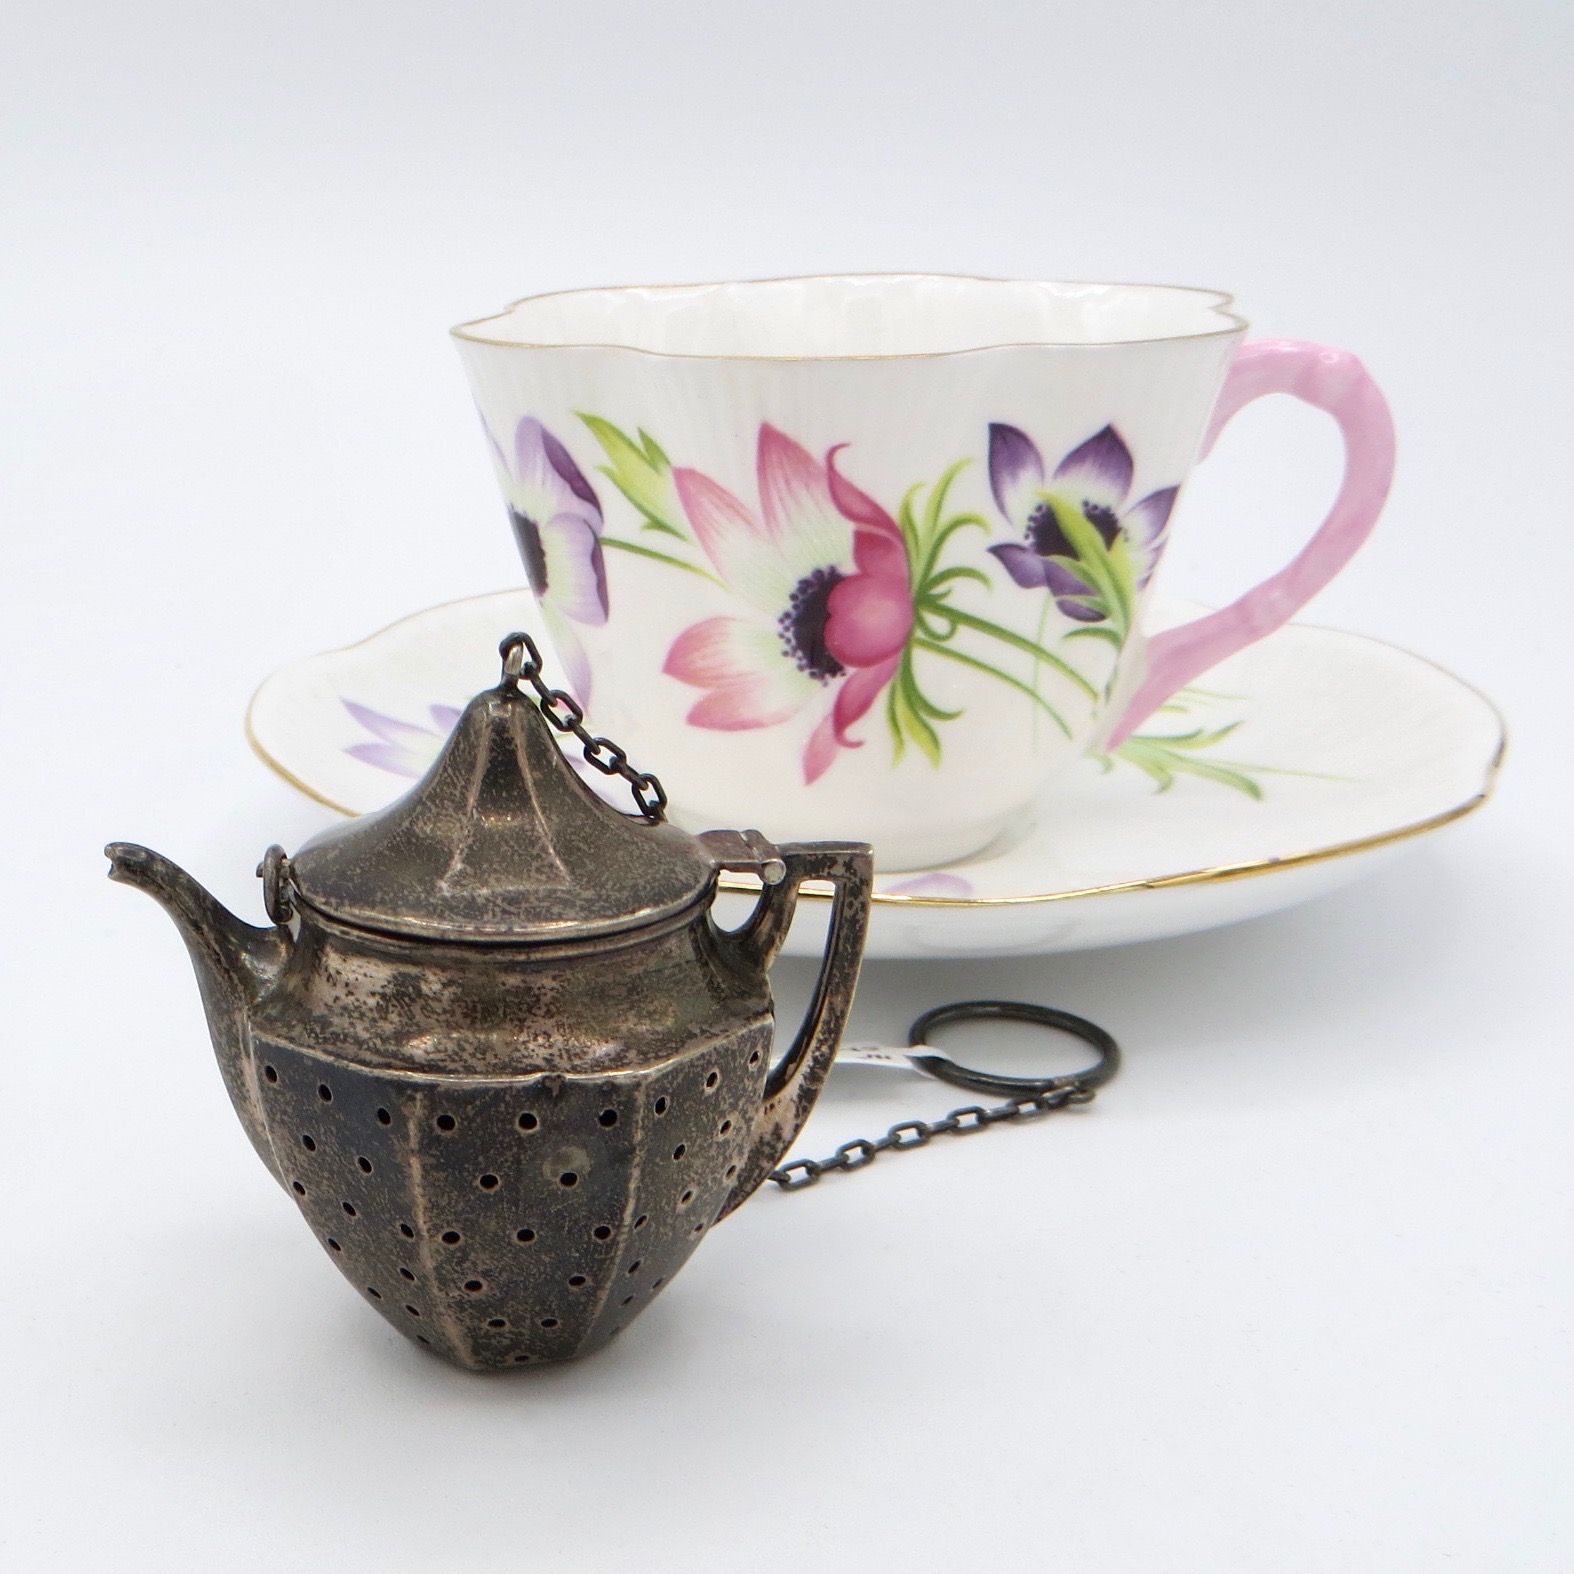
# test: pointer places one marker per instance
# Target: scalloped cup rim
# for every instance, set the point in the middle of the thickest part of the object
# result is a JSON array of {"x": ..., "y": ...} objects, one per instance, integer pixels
[{"x": 1201, "y": 299}]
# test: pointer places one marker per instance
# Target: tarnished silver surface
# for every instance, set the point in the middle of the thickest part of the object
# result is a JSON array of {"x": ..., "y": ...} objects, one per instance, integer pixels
[
  {"x": 501, "y": 842},
  {"x": 496, "y": 1048}
]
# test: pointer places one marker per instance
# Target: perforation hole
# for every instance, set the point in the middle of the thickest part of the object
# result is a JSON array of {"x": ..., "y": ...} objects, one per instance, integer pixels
[
  {"x": 404, "y": 1273},
  {"x": 658, "y": 1284},
  {"x": 661, "y": 1105},
  {"x": 364, "y": 1165},
  {"x": 488, "y": 1182},
  {"x": 422, "y": 1339},
  {"x": 349, "y": 1209},
  {"x": 270, "y": 1073},
  {"x": 732, "y": 1169},
  {"x": 699, "y": 1229},
  {"x": 712, "y": 1082},
  {"x": 568, "y": 1178},
  {"x": 473, "y": 1286},
  {"x": 297, "y": 1188},
  {"x": 325, "y": 1093},
  {"x": 333, "y": 1245},
  {"x": 524, "y": 1237},
  {"x": 407, "y": 1232},
  {"x": 634, "y": 1266},
  {"x": 602, "y": 1232},
  {"x": 374, "y": 1292},
  {"x": 450, "y": 1237},
  {"x": 642, "y": 1221},
  {"x": 446, "y": 1123},
  {"x": 384, "y": 1118},
  {"x": 521, "y": 1359},
  {"x": 528, "y": 1122},
  {"x": 497, "y": 1322},
  {"x": 577, "y": 1281},
  {"x": 754, "y": 1059},
  {"x": 686, "y": 1198},
  {"x": 724, "y": 1128},
  {"x": 309, "y": 1143},
  {"x": 608, "y": 1117},
  {"x": 549, "y": 1322},
  {"x": 628, "y": 1300},
  {"x": 413, "y": 1311},
  {"x": 680, "y": 1150}
]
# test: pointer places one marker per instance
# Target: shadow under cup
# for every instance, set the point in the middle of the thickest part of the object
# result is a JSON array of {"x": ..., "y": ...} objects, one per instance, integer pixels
[{"x": 868, "y": 557}]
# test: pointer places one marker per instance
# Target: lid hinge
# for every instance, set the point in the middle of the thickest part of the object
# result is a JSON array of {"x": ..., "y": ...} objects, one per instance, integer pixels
[{"x": 746, "y": 852}]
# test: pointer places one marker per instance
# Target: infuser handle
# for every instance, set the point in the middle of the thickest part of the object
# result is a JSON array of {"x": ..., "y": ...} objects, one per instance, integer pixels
[{"x": 794, "y": 1083}]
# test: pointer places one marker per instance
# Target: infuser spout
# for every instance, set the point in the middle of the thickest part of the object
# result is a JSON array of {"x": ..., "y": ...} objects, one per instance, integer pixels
[{"x": 235, "y": 963}]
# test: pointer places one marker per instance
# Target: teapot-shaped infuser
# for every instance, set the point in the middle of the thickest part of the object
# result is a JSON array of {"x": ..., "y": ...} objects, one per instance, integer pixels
[{"x": 495, "y": 1045}]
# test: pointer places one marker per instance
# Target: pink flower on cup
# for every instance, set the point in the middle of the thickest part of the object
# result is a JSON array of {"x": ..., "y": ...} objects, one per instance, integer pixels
[
  {"x": 823, "y": 570},
  {"x": 557, "y": 526}
]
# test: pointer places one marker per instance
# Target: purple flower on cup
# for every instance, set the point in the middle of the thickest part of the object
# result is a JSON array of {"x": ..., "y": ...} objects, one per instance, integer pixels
[
  {"x": 557, "y": 526},
  {"x": 1079, "y": 539}
]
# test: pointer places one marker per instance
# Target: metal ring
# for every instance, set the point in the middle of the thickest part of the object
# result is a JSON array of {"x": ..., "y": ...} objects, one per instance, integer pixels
[
  {"x": 274, "y": 872},
  {"x": 519, "y": 655},
  {"x": 947, "y": 1070}
]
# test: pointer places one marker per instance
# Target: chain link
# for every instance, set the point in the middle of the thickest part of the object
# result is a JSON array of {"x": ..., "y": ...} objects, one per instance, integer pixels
[
  {"x": 1030, "y": 1096},
  {"x": 863, "y": 1151},
  {"x": 521, "y": 659}
]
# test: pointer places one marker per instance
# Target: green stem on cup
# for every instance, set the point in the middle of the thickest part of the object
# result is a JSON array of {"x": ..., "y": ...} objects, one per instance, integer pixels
[
  {"x": 660, "y": 557},
  {"x": 1016, "y": 641},
  {"x": 935, "y": 649}
]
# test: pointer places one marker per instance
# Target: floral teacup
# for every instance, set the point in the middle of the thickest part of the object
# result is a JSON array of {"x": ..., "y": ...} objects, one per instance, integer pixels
[{"x": 868, "y": 556}]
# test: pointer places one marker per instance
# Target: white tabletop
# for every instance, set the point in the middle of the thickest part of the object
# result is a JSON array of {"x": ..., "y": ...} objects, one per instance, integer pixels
[{"x": 1293, "y": 1296}]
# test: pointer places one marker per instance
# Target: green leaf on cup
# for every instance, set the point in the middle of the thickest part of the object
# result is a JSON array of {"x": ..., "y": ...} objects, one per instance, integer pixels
[{"x": 642, "y": 472}]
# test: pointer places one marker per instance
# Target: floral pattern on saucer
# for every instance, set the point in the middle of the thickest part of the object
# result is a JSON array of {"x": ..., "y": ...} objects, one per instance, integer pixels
[{"x": 402, "y": 748}]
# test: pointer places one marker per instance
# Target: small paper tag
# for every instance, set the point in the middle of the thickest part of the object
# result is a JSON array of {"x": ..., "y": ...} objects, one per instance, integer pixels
[{"x": 876, "y": 1055}]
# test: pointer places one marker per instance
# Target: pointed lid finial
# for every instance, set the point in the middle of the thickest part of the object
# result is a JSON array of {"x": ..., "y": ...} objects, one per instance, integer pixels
[{"x": 502, "y": 842}]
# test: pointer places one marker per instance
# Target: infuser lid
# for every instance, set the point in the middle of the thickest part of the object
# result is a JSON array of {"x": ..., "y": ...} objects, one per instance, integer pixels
[{"x": 502, "y": 842}]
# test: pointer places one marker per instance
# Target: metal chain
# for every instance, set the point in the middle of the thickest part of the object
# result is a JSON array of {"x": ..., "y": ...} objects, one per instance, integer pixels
[
  {"x": 1031, "y": 1096},
  {"x": 863, "y": 1151},
  {"x": 521, "y": 659}
]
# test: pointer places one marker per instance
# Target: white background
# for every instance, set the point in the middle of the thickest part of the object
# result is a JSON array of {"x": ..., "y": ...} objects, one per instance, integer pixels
[{"x": 1294, "y": 1296}]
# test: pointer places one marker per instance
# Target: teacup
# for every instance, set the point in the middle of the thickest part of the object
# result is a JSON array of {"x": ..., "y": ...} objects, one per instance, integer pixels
[{"x": 868, "y": 557}]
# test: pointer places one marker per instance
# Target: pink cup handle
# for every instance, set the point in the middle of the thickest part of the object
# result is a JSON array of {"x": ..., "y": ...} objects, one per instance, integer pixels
[{"x": 1331, "y": 380}]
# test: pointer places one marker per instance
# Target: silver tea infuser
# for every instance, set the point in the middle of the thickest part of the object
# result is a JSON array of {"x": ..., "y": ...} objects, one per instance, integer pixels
[
  {"x": 495, "y": 1045},
  {"x": 499, "y": 1052}
]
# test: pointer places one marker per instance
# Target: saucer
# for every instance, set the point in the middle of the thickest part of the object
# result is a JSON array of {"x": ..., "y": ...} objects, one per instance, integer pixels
[{"x": 1303, "y": 763}]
